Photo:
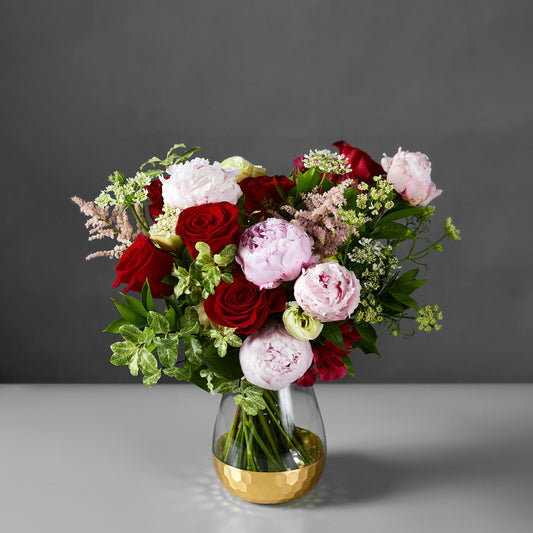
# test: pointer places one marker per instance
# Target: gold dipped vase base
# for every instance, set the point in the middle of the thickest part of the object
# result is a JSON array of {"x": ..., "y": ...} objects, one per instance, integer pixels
[{"x": 271, "y": 487}]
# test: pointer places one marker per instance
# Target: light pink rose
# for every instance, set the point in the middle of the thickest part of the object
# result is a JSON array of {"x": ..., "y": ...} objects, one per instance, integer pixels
[
  {"x": 410, "y": 174},
  {"x": 327, "y": 291},
  {"x": 272, "y": 359},
  {"x": 273, "y": 251},
  {"x": 196, "y": 182}
]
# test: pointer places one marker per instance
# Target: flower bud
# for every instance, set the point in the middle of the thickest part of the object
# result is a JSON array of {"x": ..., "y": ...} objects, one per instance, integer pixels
[
  {"x": 245, "y": 168},
  {"x": 300, "y": 325},
  {"x": 168, "y": 241}
]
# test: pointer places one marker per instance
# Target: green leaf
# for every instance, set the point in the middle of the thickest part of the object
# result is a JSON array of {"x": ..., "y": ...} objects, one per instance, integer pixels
[
  {"x": 387, "y": 301},
  {"x": 179, "y": 145},
  {"x": 122, "y": 352},
  {"x": 115, "y": 325},
  {"x": 251, "y": 399},
  {"x": 130, "y": 333},
  {"x": 396, "y": 214},
  {"x": 189, "y": 323},
  {"x": 350, "y": 195},
  {"x": 332, "y": 332},
  {"x": 148, "y": 362},
  {"x": 146, "y": 337},
  {"x": 151, "y": 379},
  {"x": 392, "y": 231},
  {"x": 307, "y": 181},
  {"x": 407, "y": 283},
  {"x": 193, "y": 349},
  {"x": 203, "y": 248},
  {"x": 167, "y": 351},
  {"x": 134, "y": 365},
  {"x": 405, "y": 299},
  {"x": 367, "y": 347},
  {"x": 146, "y": 297},
  {"x": 348, "y": 364},
  {"x": 367, "y": 332},
  {"x": 158, "y": 322},
  {"x": 226, "y": 277},
  {"x": 178, "y": 373},
  {"x": 135, "y": 305},
  {"x": 187, "y": 154},
  {"x": 128, "y": 315},
  {"x": 172, "y": 318},
  {"x": 227, "y": 386},
  {"x": 228, "y": 367},
  {"x": 326, "y": 184}
]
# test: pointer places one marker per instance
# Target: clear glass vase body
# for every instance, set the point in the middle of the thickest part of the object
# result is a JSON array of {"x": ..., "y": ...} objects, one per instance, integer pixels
[{"x": 276, "y": 455}]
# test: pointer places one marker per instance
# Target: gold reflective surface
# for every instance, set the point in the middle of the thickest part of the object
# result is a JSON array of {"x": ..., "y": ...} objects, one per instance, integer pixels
[{"x": 272, "y": 487}]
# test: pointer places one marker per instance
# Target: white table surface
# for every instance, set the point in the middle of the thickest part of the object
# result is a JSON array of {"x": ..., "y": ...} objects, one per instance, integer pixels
[{"x": 401, "y": 458}]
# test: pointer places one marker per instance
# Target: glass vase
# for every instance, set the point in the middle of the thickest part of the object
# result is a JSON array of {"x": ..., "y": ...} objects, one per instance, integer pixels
[{"x": 275, "y": 456}]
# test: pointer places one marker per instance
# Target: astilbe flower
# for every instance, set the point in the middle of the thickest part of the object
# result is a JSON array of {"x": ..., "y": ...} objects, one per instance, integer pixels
[
  {"x": 106, "y": 222},
  {"x": 321, "y": 220}
]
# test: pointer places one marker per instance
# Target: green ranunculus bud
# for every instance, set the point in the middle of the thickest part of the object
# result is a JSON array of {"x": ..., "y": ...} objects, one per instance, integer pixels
[
  {"x": 300, "y": 325},
  {"x": 246, "y": 169}
]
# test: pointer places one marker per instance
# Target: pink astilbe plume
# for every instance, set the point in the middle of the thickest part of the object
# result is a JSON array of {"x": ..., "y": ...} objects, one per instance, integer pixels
[
  {"x": 321, "y": 219},
  {"x": 104, "y": 222}
]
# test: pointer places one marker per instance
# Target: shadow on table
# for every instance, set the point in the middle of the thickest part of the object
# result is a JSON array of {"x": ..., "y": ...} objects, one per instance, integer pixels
[{"x": 350, "y": 478}]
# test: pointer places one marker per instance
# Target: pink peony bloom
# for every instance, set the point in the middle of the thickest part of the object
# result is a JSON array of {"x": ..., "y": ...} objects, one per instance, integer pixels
[
  {"x": 273, "y": 251},
  {"x": 410, "y": 174},
  {"x": 196, "y": 182},
  {"x": 272, "y": 359},
  {"x": 327, "y": 291}
]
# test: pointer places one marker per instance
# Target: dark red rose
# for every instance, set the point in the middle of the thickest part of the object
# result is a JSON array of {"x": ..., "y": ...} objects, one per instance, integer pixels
[
  {"x": 243, "y": 305},
  {"x": 215, "y": 224},
  {"x": 364, "y": 168},
  {"x": 144, "y": 261},
  {"x": 155, "y": 196},
  {"x": 262, "y": 193}
]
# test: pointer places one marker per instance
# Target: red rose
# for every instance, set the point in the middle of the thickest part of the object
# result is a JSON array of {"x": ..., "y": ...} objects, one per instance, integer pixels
[
  {"x": 156, "y": 197},
  {"x": 144, "y": 261},
  {"x": 262, "y": 193},
  {"x": 243, "y": 305},
  {"x": 215, "y": 224},
  {"x": 363, "y": 166}
]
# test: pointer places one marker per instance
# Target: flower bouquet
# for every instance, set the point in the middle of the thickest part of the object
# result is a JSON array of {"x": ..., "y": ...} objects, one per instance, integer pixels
[{"x": 252, "y": 285}]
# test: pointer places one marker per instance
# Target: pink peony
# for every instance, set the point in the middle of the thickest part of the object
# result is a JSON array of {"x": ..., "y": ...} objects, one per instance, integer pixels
[
  {"x": 410, "y": 174},
  {"x": 327, "y": 291},
  {"x": 272, "y": 359},
  {"x": 273, "y": 251},
  {"x": 196, "y": 182}
]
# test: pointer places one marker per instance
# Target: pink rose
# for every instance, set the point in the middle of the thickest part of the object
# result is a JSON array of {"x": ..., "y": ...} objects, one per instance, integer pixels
[
  {"x": 273, "y": 251},
  {"x": 410, "y": 174},
  {"x": 272, "y": 359},
  {"x": 327, "y": 291}
]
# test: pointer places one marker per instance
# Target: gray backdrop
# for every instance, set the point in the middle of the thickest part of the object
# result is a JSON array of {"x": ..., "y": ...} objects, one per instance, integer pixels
[{"x": 89, "y": 87}]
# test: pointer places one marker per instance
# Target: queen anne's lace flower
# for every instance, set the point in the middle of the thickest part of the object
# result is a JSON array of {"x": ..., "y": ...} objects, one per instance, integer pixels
[{"x": 197, "y": 182}]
